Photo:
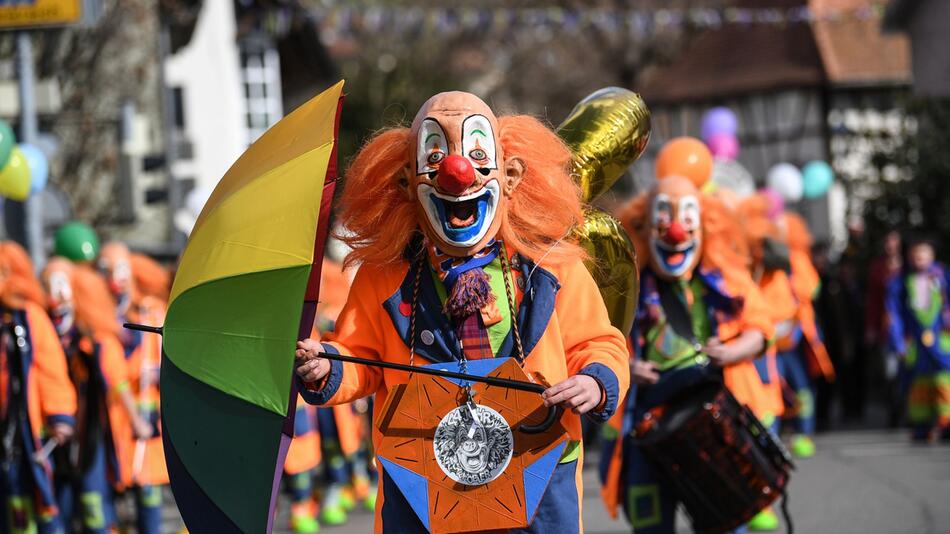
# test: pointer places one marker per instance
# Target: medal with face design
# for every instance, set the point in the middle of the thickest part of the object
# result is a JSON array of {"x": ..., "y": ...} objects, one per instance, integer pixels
[
  {"x": 676, "y": 235},
  {"x": 459, "y": 176}
]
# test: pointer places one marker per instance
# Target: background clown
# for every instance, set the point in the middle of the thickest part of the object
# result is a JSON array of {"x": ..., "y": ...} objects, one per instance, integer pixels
[{"x": 459, "y": 224}]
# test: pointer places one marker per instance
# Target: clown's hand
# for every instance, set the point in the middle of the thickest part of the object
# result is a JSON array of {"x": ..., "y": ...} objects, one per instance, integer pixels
[
  {"x": 310, "y": 367},
  {"x": 579, "y": 393},
  {"x": 746, "y": 346}
]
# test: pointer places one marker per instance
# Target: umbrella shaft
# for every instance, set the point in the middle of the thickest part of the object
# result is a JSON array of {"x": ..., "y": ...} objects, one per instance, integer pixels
[{"x": 490, "y": 380}]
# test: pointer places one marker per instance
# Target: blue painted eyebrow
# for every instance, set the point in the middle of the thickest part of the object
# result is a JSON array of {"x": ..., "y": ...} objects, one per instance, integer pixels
[{"x": 431, "y": 135}]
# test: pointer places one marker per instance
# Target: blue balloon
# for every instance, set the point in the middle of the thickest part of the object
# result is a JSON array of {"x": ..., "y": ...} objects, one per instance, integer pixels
[
  {"x": 38, "y": 164},
  {"x": 717, "y": 121},
  {"x": 817, "y": 177}
]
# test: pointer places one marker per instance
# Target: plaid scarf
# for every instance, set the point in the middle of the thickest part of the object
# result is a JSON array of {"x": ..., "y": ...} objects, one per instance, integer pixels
[{"x": 470, "y": 299}]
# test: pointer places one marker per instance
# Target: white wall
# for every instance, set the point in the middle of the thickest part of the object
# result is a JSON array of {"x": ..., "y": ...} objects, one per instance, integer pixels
[{"x": 208, "y": 71}]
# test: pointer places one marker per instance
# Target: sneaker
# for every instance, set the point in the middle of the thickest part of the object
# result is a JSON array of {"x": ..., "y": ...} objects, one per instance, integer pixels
[
  {"x": 803, "y": 446},
  {"x": 370, "y": 501},
  {"x": 304, "y": 524},
  {"x": 333, "y": 515},
  {"x": 347, "y": 500},
  {"x": 764, "y": 521}
]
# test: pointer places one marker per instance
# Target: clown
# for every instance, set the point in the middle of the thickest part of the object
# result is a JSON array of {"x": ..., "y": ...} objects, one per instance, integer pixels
[
  {"x": 459, "y": 225},
  {"x": 37, "y": 401},
  {"x": 139, "y": 287},
  {"x": 84, "y": 315},
  {"x": 699, "y": 312}
]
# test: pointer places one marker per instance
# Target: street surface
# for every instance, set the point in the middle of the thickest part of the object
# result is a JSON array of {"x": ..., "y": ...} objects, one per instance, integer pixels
[{"x": 861, "y": 481}]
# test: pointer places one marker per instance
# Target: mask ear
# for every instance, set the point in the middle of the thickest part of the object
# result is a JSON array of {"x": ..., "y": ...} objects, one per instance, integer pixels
[{"x": 514, "y": 172}]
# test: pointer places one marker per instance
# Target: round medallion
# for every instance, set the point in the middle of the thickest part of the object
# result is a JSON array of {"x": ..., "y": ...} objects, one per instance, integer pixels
[
  {"x": 473, "y": 444},
  {"x": 428, "y": 337}
]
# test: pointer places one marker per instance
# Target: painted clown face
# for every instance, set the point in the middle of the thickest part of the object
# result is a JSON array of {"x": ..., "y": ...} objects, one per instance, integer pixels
[
  {"x": 57, "y": 282},
  {"x": 675, "y": 228},
  {"x": 115, "y": 264},
  {"x": 458, "y": 174}
]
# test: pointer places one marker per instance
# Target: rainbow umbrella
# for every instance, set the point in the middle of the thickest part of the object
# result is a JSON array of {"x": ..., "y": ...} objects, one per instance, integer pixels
[{"x": 245, "y": 292}]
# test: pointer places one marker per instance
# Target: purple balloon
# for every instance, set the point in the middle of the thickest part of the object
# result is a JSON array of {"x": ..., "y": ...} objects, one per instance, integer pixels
[
  {"x": 776, "y": 202},
  {"x": 719, "y": 120},
  {"x": 724, "y": 146}
]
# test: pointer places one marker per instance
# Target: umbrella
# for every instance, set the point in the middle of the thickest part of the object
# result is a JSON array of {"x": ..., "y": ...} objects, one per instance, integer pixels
[{"x": 245, "y": 292}]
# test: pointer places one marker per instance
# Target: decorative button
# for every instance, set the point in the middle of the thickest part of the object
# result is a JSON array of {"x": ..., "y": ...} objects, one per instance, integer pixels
[
  {"x": 19, "y": 330},
  {"x": 515, "y": 262},
  {"x": 427, "y": 337}
]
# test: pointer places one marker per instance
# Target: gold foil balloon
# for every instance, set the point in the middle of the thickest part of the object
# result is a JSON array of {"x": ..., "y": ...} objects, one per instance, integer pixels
[
  {"x": 612, "y": 261},
  {"x": 607, "y": 131}
]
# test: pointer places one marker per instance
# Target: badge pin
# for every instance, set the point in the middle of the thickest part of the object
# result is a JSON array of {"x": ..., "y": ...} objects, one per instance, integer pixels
[
  {"x": 427, "y": 337},
  {"x": 927, "y": 338}
]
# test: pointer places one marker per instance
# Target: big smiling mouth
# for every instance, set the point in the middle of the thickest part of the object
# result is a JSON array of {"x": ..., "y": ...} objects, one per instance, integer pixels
[{"x": 462, "y": 214}]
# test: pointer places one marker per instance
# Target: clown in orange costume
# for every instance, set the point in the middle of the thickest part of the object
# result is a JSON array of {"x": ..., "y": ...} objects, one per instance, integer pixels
[
  {"x": 140, "y": 288},
  {"x": 37, "y": 400},
  {"x": 683, "y": 242},
  {"x": 83, "y": 313},
  {"x": 458, "y": 222}
]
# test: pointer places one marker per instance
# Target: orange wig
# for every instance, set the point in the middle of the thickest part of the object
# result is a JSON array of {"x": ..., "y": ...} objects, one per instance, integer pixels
[
  {"x": 543, "y": 209},
  {"x": 151, "y": 279},
  {"x": 95, "y": 308},
  {"x": 719, "y": 225},
  {"x": 22, "y": 284}
]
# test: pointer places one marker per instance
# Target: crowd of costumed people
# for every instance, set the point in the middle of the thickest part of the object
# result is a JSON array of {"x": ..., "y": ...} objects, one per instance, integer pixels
[{"x": 80, "y": 424}]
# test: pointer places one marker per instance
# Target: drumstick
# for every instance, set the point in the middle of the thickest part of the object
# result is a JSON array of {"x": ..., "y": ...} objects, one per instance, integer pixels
[
  {"x": 41, "y": 455},
  {"x": 138, "y": 459}
]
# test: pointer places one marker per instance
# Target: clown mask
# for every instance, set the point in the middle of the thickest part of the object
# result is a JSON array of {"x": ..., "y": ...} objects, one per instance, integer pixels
[
  {"x": 458, "y": 175},
  {"x": 57, "y": 282},
  {"x": 675, "y": 232},
  {"x": 115, "y": 264}
]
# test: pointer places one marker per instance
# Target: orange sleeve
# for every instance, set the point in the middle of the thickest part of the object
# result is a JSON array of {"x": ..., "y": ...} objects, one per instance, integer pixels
[
  {"x": 805, "y": 278},
  {"x": 586, "y": 332},
  {"x": 358, "y": 332},
  {"x": 756, "y": 312},
  {"x": 57, "y": 393},
  {"x": 777, "y": 291},
  {"x": 112, "y": 360}
]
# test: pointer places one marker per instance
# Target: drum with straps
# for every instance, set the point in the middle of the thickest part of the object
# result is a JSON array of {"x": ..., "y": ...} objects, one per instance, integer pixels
[{"x": 723, "y": 464}]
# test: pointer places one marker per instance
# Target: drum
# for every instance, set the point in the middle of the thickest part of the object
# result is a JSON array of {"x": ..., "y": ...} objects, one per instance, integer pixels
[{"x": 723, "y": 464}]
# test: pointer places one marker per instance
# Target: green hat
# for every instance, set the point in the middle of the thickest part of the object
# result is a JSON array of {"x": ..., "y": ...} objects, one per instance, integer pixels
[{"x": 76, "y": 241}]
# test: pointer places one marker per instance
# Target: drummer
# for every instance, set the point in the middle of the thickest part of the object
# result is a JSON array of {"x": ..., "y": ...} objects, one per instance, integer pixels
[{"x": 699, "y": 315}]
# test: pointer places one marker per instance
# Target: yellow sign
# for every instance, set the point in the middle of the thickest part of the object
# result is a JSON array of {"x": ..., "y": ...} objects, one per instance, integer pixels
[{"x": 15, "y": 14}]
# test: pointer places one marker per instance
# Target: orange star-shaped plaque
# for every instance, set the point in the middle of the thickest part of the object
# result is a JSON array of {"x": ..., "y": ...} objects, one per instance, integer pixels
[{"x": 408, "y": 422}]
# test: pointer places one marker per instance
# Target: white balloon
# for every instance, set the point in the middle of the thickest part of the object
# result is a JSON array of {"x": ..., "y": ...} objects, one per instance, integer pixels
[
  {"x": 786, "y": 180},
  {"x": 730, "y": 174}
]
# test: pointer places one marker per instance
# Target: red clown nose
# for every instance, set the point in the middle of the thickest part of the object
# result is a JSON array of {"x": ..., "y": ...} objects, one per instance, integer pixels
[
  {"x": 456, "y": 174},
  {"x": 676, "y": 234}
]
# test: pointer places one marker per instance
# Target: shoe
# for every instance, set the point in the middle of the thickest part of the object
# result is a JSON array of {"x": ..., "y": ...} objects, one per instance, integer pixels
[
  {"x": 304, "y": 524},
  {"x": 370, "y": 501},
  {"x": 803, "y": 446},
  {"x": 764, "y": 521},
  {"x": 333, "y": 515}
]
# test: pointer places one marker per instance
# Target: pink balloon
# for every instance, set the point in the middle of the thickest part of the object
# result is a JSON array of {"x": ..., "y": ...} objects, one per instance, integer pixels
[
  {"x": 776, "y": 202},
  {"x": 723, "y": 145}
]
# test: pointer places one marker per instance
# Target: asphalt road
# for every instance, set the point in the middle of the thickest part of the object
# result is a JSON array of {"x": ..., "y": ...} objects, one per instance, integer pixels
[{"x": 868, "y": 482}]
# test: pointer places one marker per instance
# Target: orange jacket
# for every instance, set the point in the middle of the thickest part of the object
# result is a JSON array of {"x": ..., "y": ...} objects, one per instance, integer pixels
[
  {"x": 50, "y": 394},
  {"x": 147, "y": 357},
  {"x": 576, "y": 334}
]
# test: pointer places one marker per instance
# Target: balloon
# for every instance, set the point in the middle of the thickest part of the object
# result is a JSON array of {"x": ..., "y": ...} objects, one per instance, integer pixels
[
  {"x": 607, "y": 132},
  {"x": 731, "y": 175},
  {"x": 76, "y": 241},
  {"x": 718, "y": 121},
  {"x": 39, "y": 166},
  {"x": 687, "y": 157},
  {"x": 786, "y": 180},
  {"x": 723, "y": 145},
  {"x": 817, "y": 177},
  {"x": 612, "y": 261},
  {"x": 15, "y": 177},
  {"x": 7, "y": 142},
  {"x": 776, "y": 202}
]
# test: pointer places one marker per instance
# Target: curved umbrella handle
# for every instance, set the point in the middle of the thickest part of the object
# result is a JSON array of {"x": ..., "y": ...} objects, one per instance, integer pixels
[{"x": 554, "y": 413}]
